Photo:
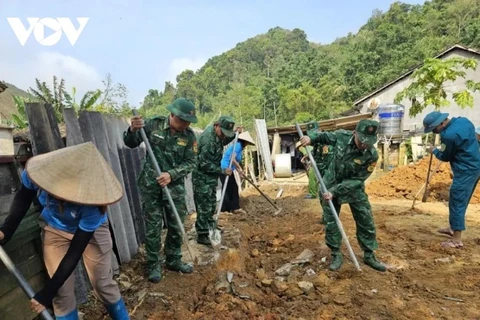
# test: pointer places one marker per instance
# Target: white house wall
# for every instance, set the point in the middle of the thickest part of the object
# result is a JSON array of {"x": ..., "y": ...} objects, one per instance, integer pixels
[{"x": 388, "y": 94}]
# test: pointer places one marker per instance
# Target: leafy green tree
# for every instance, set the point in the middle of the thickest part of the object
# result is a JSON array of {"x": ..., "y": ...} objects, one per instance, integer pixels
[
  {"x": 20, "y": 117},
  {"x": 55, "y": 96},
  {"x": 431, "y": 81}
]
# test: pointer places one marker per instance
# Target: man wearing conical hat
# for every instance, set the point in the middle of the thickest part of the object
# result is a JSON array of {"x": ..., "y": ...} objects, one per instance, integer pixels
[
  {"x": 231, "y": 202},
  {"x": 174, "y": 144},
  {"x": 208, "y": 170},
  {"x": 76, "y": 184}
]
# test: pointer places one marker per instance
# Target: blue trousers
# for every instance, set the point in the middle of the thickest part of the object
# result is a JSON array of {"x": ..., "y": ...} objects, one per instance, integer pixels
[{"x": 461, "y": 192}]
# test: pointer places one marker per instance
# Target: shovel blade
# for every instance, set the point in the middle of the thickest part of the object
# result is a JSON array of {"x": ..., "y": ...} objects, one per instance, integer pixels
[{"x": 215, "y": 238}]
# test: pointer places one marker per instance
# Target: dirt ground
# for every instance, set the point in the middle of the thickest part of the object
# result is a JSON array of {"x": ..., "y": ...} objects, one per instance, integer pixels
[
  {"x": 424, "y": 280},
  {"x": 404, "y": 182}
]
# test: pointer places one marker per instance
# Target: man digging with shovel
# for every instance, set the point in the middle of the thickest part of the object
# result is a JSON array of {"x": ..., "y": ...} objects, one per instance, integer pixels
[
  {"x": 460, "y": 148},
  {"x": 174, "y": 146},
  {"x": 353, "y": 161},
  {"x": 206, "y": 174}
]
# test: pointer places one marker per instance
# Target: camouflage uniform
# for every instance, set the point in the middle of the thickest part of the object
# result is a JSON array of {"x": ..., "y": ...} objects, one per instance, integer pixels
[
  {"x": 175, "y": 154},
  {"x": 206, "y": 174},
  {"x": 321, "y": 154},
  {"x": 344, "y": 178}
]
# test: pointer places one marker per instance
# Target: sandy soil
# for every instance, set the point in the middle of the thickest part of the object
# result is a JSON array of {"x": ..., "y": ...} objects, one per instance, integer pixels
[
  {"x": 424, "y": 281},
  {"x": 404, "y": 182}
]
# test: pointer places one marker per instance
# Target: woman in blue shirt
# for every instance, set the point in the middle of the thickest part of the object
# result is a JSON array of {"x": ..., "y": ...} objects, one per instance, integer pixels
[
  {"x": 74, "y": 186},
  {"x": 231, "y": 202}
]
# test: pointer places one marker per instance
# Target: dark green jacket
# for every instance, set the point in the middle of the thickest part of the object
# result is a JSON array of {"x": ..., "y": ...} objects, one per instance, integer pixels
[
  {"x": 209, "y": 156},
  {"x": 176, "y": 154},
  {"x": 321, "y": 153},
  {"x": 348, "y": 167}
]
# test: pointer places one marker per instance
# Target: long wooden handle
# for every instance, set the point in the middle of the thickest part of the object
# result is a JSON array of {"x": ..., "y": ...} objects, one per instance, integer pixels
[
  {"x": 425, "y": 193},
  {"x": 261, "y": 192}
]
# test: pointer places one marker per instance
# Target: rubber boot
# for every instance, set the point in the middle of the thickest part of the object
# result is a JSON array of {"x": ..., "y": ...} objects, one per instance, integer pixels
[
  {"x": 117, "y": 310},
  {"x": 204, "y": 239},
  {"x": 155, "y": 273},
  {"x": 370, "y": 260},
  {"x": 337, "y": 260},
  {"x": 179, "y": 266},
  {"x": 70, "y": 316}
]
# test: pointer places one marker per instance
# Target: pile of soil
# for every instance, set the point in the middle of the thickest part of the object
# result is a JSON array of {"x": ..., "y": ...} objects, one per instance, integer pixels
[{"x": 404, "y": 182}]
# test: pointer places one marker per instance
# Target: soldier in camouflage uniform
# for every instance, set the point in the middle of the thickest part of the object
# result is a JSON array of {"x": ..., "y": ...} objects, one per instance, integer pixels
[
  {"x": 207, "y": 172},
  {"x": 175, "y": 146},
  {"x": 354, "y": 159}
]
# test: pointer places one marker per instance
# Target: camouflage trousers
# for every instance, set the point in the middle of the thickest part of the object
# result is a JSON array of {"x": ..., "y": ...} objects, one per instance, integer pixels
[
  {"x": 312, "y": 183},
  {"x": 205, "y": 196},
  {"x": 362, "y": 213},
  {"x": 155, "y": 208}
]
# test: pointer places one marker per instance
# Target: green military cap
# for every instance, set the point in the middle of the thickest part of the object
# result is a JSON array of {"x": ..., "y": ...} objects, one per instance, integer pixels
[
  {"x": 312, "y": 125},
  {"x": 226, "y": 123},
  {"x": 184, "y": 109},
  {"x": 367, "y": 131}
]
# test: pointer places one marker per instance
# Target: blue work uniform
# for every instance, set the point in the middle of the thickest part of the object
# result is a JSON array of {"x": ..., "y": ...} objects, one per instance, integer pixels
[
  {"x": 87, "y": 218},
  {"x": 228, "y": 154},
  {"x": 460, "y": 148}
]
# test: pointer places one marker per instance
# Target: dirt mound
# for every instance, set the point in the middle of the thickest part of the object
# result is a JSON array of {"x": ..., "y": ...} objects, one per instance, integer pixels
[{"x": 404, "y": 182}]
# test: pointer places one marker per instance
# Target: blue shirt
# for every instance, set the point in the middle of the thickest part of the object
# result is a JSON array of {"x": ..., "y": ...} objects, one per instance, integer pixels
[
  {"x": 228, "y": 153},
  {"x": 87, "y": 218},
  {"x": 459, "y": 146}
]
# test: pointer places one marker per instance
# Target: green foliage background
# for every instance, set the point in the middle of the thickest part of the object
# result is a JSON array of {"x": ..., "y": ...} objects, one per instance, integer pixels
[{"x": 283, "y": 77}]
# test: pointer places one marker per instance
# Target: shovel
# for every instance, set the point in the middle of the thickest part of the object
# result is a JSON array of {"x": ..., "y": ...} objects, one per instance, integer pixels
[
  {"x": 21, "y": 280},
  {"x": 425, "y": 193},
  {"x": 265, "y": 196},
  {"x": 166, "y": 190},
  {"x": 215, "y": 235},
  {"x": 330, "y": 203},
  {"x": 425, "y": 184}
]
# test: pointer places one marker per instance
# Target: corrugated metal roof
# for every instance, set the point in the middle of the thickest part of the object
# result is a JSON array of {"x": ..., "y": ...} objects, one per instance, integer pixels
[{"x": 325, "y": 125}]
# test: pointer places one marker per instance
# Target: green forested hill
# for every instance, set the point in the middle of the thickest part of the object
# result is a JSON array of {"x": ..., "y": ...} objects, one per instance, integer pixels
[{"x": 282, "y": 71}]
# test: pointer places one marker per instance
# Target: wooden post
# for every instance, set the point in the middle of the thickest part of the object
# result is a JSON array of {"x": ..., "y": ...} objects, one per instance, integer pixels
[
  {"x": 385, "y": 155},
  {"x": 401, "y": 154}
]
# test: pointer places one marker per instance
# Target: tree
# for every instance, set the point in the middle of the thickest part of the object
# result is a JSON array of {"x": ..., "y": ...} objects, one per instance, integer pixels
[
  {"x": 87, "y": 102},
  {"x": 20, "y": 117},
  {"x": 431, "y": 81},
  {"x": 55, "y": 97}
]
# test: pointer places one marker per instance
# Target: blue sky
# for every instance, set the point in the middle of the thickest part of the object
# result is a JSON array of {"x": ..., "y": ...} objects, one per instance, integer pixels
[{"x": 145, "y": 43}]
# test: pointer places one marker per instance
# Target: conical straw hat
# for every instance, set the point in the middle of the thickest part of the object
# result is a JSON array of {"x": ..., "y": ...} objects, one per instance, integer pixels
[
  {"x": 245, "y": 136},
  {"x": 77, "y": 174}
]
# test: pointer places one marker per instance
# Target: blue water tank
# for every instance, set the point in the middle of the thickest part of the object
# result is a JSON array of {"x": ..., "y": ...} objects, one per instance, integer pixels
[{"x": 391, "y": 119}]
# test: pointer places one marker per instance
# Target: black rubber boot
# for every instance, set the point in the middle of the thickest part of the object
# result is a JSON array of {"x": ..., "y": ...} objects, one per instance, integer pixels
[
  {"x": 370, "y": 260},
  {"x": 180, "y": 266},
  {"x": 337, "y": 260},
  {"x": 204, "y": 239}
]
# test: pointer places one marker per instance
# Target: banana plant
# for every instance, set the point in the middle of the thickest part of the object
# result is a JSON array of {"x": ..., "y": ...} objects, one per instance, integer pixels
[
  {"x": 20, "y": 117},
  {"x": 88, "y": 101}
]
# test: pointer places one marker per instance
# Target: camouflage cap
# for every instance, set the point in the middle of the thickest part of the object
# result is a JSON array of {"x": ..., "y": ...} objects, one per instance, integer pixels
[
  {"x": 367, "y": 131},
  {"x": 184, "y": 109},
  {"x": 226, "y": 123}
]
